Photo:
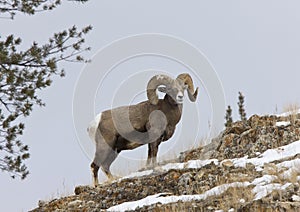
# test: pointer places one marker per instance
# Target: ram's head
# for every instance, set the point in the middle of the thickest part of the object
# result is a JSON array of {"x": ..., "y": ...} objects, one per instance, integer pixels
[{"x": 172, "y": 87}]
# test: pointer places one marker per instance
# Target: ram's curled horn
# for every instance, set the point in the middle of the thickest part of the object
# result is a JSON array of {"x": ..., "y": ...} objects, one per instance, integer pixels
[
  {"x": 153, "y": 83},
  {"x": 187, "y": 79}
]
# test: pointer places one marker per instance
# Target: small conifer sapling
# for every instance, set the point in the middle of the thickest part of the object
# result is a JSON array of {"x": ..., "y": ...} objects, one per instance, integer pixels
[
  {"x": 228, "y": 117},
  {"x": 241, "y": 107}
]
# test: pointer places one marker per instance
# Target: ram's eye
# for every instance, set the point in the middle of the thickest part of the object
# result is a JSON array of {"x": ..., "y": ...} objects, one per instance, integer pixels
[{"x": 162, "y": 89}]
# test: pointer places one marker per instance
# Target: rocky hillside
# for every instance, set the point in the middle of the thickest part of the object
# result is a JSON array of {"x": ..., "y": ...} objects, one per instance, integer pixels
[{"x": 250, "y": 166}]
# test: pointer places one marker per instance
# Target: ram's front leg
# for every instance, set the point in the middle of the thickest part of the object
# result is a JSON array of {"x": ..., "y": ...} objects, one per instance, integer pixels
[
  {"x": 153, "y": 147},
  {"x": 152, "y": 152},
  {"x": 169, "y": 132},
  {"x": 156, "y": 132}
]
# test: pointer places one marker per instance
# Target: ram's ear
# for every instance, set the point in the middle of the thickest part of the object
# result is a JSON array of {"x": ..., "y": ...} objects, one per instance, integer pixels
[{"x": 162, "y": 89}]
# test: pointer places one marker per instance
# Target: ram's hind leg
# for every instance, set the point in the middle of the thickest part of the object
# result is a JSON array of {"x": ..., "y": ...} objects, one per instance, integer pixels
[
  {"x": 103, "y": 159},
  {"x": 106, "y": 165},
  {"x": 104, "y": 155},
  {"x": 95, "y": 169}
]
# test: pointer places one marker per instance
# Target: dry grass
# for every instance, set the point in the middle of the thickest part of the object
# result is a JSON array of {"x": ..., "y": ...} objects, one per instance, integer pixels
[
  {"x": 170, "y": 156},
  {"x": 181, "y": 207},
  {"x": 236, "y": 196},
  {"x": 283, "y": 175},
  {"x": 292, "y": 110},
  {"x": 271, "y": 169},
  {"x": 232, "y": 198},
  {"x": 61, "y": 192},
  {"x": 293, "y": 178}
]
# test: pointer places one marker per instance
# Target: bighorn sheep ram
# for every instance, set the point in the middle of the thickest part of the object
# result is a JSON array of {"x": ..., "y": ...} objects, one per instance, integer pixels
[{"x": 149, "y": 122}]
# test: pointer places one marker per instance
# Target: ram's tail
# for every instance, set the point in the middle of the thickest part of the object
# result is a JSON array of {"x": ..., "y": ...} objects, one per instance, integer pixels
[{"x": 93, "y": 127}]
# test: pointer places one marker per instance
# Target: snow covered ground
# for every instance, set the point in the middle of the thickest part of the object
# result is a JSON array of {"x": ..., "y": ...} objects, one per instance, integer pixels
[
  {"x": 262, "y": 185},
  {"x": 293, "y": 111},
  {"x": 162, "y": 198},
  {"x": 192, "y": 164},
  {"x": 269, "y": 156},
  {"x": 282, "y": 123}
]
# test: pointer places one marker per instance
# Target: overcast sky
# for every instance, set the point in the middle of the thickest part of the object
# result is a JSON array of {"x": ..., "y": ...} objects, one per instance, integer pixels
[{"x": 253, "y": 46}]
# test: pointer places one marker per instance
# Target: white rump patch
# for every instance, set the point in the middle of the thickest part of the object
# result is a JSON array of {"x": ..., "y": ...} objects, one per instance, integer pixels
[{"x": 93, "y": 126}]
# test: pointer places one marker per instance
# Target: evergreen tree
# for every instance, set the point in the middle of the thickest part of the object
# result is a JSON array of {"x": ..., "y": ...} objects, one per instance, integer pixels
[
  {"x": 23, "y": 73},
  {"x": 9, "y": 8},
  {"x": 228, "y": 117},
  {"x": 241, "y": 107}
]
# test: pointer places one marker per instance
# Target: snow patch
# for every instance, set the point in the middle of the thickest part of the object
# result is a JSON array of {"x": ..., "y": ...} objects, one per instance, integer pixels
[
  {"x": 294, "y": 164},
  {"x": 282, "y": 123},
  {"x": 269, "y": 156},
  {"x": 192, "y": 164},
  {"x": 137, "y": 174},
  {"x": 158, "y": 198},
  {"x": 289, "y": 113},
  {"x": 296, "y": 198},
  {"x": 266, "y": 179},
  {"x": 263, "y": 190},
  {"x": 242, "y": 201}
]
